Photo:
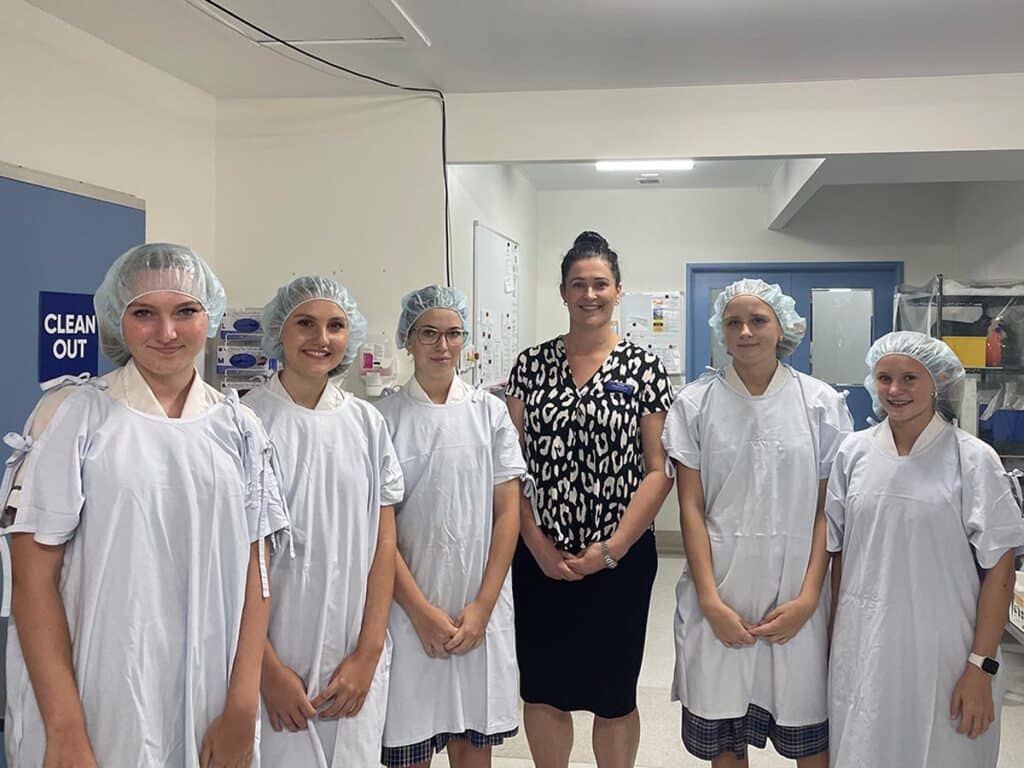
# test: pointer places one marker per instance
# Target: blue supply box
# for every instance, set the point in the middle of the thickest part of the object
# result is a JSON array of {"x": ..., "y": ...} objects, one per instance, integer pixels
[{"x": 1005, "y": 431}]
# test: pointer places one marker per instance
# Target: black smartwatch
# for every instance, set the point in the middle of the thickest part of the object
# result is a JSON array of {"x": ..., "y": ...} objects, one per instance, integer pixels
[{"x": 984, "y": 663}]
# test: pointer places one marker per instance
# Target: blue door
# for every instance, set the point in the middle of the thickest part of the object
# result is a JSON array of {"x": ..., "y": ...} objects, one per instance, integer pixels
[{"x": 847, "y": 306}]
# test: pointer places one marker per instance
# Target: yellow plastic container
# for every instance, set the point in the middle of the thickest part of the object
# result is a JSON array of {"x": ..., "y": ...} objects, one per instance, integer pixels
[{"x": 970, "y": 349}]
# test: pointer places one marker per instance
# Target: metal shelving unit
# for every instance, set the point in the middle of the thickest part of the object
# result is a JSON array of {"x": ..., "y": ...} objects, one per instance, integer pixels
[{"x": 925, "y": 309}]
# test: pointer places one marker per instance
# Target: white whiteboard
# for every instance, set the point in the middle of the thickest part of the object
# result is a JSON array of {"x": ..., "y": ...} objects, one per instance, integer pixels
[
  {"x": 495, "y": 305},
  {"x": 654, "y": 321}
]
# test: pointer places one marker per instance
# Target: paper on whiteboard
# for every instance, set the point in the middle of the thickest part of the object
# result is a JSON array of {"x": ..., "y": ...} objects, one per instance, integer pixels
[
  {"x": 654, "y": 321},
  {"x": 511, "y": 272}
]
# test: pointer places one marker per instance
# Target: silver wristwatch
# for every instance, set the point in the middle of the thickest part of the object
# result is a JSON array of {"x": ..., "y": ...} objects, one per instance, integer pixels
[{"x": 609, "y": 561}]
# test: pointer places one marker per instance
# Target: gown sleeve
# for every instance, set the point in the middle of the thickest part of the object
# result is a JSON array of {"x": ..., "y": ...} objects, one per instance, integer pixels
[
  {"x": 681, "y": 434},
  {"x": 835, "y": 503},
  {"x": 991, "y": 516},
  {"x": 52, "y": 494},
  {"x": 392, "y": 483},
  {"x": 37, "y": 423},
  {"x": 834, "y": 424},
  {"x": 265, "y": 506},
  {"x": 506, "y": 454}
]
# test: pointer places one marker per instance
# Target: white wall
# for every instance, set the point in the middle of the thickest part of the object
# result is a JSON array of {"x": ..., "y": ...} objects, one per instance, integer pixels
[
  {"x": 352, "y": 187},
  {"x": 343, "y": 187},
  {"x": 990, "y": 228},
  {"x": 500, "y": 197},
  {"x": 815, "y": 118},
  {"x": 657, "y": 232},
  {"x": 73, "y": 106}
]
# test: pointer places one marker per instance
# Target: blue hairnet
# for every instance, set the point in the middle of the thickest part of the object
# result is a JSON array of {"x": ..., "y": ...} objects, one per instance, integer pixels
[
  {"x": 432, "y": 297},
  {"x": 296, "y": 293},
  {"x": 146, "y": 269},
  {"x": 793, "y": 326},
  {"x": 939, "y": 360}
]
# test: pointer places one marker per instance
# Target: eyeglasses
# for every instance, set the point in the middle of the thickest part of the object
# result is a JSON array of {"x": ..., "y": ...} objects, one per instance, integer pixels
[{"x": 429, "y": 336}]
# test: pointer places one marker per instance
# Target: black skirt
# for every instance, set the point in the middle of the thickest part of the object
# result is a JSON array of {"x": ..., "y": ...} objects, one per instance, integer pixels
[{"x": 580, "y": 643}]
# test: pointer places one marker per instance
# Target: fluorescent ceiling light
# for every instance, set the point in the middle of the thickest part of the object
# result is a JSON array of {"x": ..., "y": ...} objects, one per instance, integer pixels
[{"x": 644, "y": 165}]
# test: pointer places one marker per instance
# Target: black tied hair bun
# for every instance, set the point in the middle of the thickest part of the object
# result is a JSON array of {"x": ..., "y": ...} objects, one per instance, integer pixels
[
  {"x": 590, "y": 239},
  {"x": 589, "y": 245}
]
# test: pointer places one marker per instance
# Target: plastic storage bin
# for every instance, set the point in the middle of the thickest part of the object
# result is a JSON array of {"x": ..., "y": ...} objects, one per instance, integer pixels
[{"x": 1005, "y": 426}]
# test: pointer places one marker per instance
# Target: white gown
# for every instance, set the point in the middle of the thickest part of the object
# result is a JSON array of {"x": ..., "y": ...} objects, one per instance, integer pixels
[
  {"x": 338, "y": 469},
  {"x": 910, "y": 528},
  {"x": 452, "y": 456},
  {"x": 761, "y": 460},
  {"x": 157, "y": 516}
]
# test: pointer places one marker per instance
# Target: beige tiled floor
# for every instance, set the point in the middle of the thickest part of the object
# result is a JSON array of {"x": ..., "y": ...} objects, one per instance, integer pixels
[{"x": 660, "y": 745}]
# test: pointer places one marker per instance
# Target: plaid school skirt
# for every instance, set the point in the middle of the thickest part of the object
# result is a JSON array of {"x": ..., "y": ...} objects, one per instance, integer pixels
[
  {"x": 411, "y": 754},
  {"x": 707, "y": 739}
]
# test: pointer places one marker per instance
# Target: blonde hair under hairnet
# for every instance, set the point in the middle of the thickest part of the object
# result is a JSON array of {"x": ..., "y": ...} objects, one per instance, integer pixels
[
  {"x": 793, "y": 326},
  {"x": 296, "y": 293},
  {"x": 149, "y": 268},
  {"x": 942, "y": 364}
]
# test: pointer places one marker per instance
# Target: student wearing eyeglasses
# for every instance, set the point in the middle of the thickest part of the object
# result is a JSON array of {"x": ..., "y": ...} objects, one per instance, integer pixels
[{"x": 454, "y": 684}]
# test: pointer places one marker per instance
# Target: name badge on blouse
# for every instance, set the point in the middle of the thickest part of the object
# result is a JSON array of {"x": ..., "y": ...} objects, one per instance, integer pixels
[{"x": 619, "y": 387}]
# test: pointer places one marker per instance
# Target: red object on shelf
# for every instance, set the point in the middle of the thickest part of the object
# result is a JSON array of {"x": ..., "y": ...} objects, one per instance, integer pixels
[{"x": 994, "y": 346}]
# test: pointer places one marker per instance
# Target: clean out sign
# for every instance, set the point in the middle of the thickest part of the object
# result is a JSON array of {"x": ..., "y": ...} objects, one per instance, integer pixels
[{"x": 68, "y": 342}]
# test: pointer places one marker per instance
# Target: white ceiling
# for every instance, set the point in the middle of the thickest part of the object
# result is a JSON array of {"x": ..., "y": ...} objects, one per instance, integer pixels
[
  {"x": 705, "y": 174},
  {"x": 497, "y": 45}
]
